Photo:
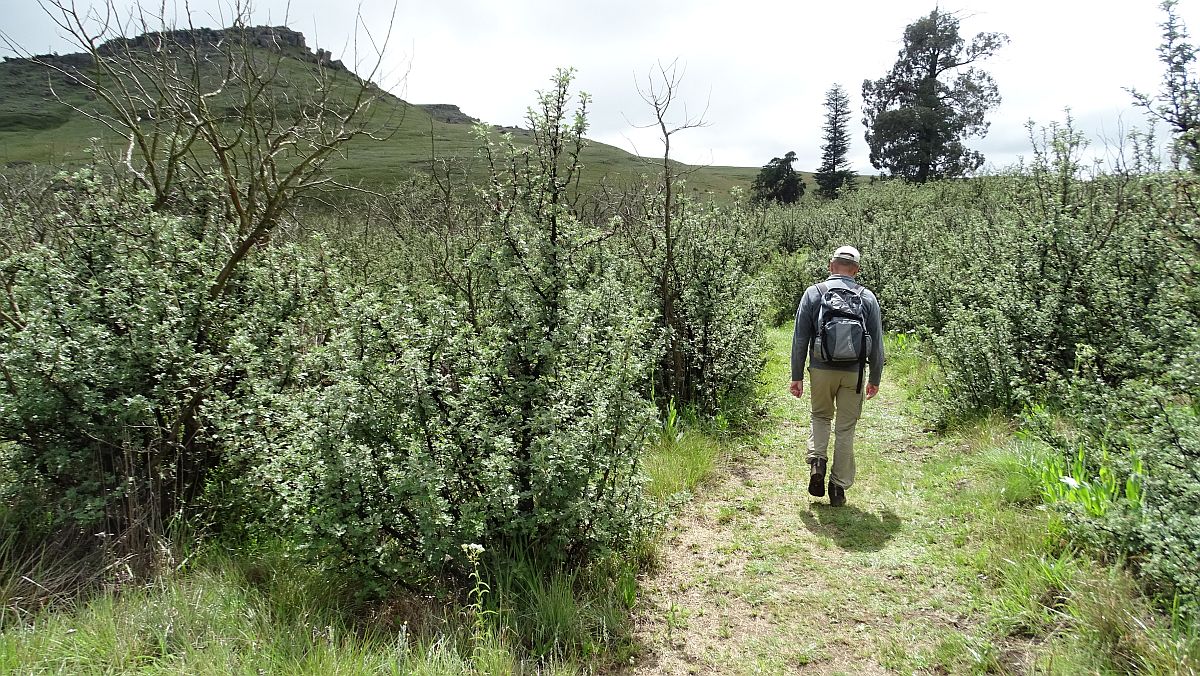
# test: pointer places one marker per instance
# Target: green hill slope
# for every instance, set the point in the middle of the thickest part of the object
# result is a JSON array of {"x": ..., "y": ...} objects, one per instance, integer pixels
[{"x": 38, "y": 127}]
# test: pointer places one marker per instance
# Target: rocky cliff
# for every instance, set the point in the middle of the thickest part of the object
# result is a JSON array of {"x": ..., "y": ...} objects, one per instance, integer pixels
[
  {"x": 280, "y": 38},
  {"x": 276, "y": 38}
]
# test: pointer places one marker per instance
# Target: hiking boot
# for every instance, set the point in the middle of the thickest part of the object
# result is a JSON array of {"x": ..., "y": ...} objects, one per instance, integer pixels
[
  {"x": 816, "y": 477},
  {"x": 837, "y": 495}
]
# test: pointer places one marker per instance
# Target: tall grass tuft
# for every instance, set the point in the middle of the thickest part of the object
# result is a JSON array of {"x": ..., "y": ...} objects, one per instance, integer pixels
[
  {"x": 680, "y": 458},
  {"x": 48, "y": 573},
  {"x": 560, "y": 615}
]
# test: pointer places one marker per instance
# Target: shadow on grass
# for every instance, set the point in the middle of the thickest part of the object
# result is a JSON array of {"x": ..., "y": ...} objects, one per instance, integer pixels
[{"x": 851, "y": 527}]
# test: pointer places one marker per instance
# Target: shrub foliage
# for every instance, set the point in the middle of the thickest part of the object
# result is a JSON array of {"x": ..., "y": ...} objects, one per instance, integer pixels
[{"x": 480, "y": 370}]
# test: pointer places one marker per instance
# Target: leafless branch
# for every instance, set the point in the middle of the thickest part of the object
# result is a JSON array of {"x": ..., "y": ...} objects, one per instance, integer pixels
[{"x": 196, "y": 103}]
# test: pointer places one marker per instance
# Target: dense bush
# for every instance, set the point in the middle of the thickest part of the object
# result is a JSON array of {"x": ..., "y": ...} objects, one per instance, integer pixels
[
  {"x": 460, "y": 364},
  {"x": 699, "y": 272},
  {"x": 1162, "y": 536},
  {"x": 720, "y": 308},
  {"x": 110, "y": 339},
  {"x": 784, "y": 281},
  {"x": 507, "y": 411},
  {"x": 407, "y": 436}
]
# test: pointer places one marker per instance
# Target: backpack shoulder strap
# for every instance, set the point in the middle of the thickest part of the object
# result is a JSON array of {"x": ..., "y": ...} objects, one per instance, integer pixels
[{"x": 822, "y": 289}]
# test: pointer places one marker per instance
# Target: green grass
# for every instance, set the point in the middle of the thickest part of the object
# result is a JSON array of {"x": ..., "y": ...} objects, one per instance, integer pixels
[
  {"x": 223, "y": 617},
  {"x": 683, "y": 456},
  {"x": 679, "y": 463},
  {"x": 564, "y": 616},
  {"x": 945, "y": 560},
  {"x": 265, "y": 613}
]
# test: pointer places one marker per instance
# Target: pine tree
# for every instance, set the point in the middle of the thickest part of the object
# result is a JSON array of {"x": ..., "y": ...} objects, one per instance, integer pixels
[
  {"x": 835, "y": 172},
  {"x": 918, "y": 115}
]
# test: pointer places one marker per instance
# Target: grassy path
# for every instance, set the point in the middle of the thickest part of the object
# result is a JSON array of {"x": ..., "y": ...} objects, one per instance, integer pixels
[{"x": 756, "y": 576}]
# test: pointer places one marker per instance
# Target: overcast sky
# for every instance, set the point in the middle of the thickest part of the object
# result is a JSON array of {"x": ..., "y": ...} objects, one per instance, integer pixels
[{"x": 758, "y": 70}]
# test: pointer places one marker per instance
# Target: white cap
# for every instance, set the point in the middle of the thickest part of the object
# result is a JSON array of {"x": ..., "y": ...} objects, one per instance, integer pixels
[{"x": 846, "y": 253}]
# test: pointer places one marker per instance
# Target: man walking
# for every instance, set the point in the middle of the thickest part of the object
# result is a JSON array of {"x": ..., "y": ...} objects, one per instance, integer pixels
[{"x": 838, "y": 331}]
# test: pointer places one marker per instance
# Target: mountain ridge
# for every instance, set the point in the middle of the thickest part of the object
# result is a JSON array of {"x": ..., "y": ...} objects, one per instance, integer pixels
[{"x": 39, "y": 126}]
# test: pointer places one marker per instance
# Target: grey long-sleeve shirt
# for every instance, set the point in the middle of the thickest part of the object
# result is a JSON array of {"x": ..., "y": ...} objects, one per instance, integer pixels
[{"x": 806, "y": 328}]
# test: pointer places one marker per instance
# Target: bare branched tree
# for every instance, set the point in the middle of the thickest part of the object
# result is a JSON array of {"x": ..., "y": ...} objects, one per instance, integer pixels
[
  {"x": 231, "y": 108},
  {"x": 1177, "y": 102},
  {"x": 661, "y": 93}
]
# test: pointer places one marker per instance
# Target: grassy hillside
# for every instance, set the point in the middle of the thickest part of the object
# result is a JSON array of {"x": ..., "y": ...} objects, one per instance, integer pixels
[{"x": 36, "y": 127}]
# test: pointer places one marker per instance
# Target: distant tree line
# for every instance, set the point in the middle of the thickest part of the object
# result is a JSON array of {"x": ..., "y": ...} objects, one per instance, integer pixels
[{"x": 917, "y": 116}]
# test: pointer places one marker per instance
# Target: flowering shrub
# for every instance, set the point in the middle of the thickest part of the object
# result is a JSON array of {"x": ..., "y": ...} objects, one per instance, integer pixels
[
  {"x": 109, "y": 338},
  {"x": 111, "y": 347},
  {"x": 510, "y": 415}
]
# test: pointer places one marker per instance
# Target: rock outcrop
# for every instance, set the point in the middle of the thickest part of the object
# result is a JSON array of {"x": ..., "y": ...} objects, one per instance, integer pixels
[
  {"x": 276, "y": 38},
  {"x": 64, "y": 61},
  {"x": 448, "y": 113}
]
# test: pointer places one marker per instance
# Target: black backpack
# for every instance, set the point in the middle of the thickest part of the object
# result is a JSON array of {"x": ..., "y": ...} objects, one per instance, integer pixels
[{"x": 841, "y": 336}]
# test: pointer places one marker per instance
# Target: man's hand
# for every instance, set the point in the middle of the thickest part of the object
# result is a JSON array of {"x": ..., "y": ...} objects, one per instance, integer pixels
[
  {"x": 796, "y": 388},
  {"x": 872, "y": 390}
]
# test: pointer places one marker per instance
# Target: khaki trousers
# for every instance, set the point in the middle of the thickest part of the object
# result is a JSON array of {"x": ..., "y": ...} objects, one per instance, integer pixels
[{"x": 834, "y": 402}]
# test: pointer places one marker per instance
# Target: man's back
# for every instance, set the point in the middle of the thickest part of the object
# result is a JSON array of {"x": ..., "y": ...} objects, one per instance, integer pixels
[{"x": 806, "y": 328}]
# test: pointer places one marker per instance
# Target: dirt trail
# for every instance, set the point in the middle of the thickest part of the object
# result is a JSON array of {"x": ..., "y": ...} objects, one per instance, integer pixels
[{"x": 757, "y": 576}]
